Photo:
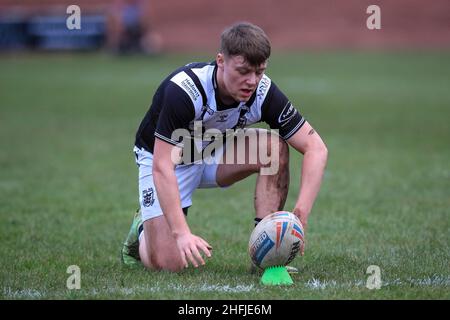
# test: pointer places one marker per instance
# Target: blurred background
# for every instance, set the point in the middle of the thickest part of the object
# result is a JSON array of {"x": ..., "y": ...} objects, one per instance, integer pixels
[
  {"x": 154, "y": 26},
  {"x": 72, "y": 100}
]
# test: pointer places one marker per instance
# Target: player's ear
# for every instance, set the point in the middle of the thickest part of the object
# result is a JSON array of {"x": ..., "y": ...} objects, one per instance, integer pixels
[{"x": 220, "y": 60}]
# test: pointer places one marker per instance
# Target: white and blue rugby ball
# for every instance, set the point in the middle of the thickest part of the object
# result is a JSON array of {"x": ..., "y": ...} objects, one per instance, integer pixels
[{"x": 276, "y": 240}]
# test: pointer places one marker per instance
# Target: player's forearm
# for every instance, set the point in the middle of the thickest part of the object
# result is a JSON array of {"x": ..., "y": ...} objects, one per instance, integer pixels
[
  {"x": 169, "y": 199},
  {"x": 314, "y": 163}
]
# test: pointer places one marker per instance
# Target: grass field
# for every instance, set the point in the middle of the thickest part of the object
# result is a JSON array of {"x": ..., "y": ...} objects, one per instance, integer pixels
[{"x": 68, "y": 182}]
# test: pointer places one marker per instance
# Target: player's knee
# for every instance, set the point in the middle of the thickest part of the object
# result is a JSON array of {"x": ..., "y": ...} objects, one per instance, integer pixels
[
  {"x": 166, "y": 263},
  {"x": 144, "y": 255},
  {"x": 160, "y": 261}
]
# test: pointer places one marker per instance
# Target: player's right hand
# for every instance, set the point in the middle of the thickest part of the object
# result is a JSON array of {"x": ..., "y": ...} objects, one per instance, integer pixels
[
  {"x": 190, "y": 247},
  {"x": 302, "y": 248}
]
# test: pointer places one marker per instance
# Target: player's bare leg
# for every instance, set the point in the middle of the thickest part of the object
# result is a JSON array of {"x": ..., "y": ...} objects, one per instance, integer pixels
[
  {"x": 158, "y": 249},
  {"x": 271, "y": 188}
]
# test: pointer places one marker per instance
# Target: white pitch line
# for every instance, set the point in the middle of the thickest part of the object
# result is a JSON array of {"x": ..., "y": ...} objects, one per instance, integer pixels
[
  {"x": 434, "y": 281},
  {"x": 176, "y": 288},
  {"x": 214, "y": 288},
  {"x": 315, "y": 284},
  {"x": 23, "y": 294}
]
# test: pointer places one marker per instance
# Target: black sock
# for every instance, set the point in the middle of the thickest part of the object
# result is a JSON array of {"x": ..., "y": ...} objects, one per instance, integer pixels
[{"x": 257, "y": 220}]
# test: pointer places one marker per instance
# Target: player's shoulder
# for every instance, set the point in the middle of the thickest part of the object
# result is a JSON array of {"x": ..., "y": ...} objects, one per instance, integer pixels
[
  {"x": 193, "y": 69},
  {"x": 193, "y": 79}
]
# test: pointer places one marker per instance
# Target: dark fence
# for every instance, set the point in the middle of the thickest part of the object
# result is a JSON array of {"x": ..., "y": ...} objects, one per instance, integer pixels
[{"x": 50, "y": 32}]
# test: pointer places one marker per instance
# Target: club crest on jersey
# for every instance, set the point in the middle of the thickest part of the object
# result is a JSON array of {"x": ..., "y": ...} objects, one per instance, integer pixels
[
  {"x": 222, "y": 118},
  {"x": 287, "y": 114},
  {"x": 148, "y": 197}
]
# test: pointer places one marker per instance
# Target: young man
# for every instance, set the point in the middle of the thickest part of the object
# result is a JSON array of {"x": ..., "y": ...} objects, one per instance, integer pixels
[{"x": 231, "y": 93}]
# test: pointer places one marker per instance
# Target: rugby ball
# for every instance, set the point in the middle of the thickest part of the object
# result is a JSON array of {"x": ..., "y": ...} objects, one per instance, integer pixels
[{"x": 276, "y": 240}]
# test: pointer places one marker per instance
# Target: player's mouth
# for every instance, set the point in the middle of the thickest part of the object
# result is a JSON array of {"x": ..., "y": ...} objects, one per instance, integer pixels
[{"x": 247, "y": 92}]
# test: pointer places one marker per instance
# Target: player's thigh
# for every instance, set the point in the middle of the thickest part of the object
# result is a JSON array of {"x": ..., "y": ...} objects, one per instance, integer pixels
[{"x": 246, "y": 154}]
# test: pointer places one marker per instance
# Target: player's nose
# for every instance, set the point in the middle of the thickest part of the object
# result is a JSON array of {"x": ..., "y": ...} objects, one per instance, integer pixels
[{"x": 252, "y": 79}]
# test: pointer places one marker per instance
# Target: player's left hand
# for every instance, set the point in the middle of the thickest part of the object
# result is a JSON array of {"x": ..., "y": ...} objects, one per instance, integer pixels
[{"x": 189, "y": 246}]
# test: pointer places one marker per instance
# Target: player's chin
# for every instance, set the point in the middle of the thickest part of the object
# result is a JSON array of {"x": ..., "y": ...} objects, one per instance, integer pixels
[{"x": 244, "y": 96}]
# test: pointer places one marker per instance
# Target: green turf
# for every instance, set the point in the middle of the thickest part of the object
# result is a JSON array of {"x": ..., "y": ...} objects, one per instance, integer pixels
[{"x": 68, "y": 186}]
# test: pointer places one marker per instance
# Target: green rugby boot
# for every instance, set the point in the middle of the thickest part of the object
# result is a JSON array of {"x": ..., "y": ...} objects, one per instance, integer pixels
[{"x": 130, "y": 249}]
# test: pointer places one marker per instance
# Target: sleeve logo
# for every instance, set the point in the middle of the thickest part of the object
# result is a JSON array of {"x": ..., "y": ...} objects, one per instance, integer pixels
[
  {"x": 190, "y": 88},
  {"x": 187, "y": 84},
  {"x": 287, "y": 114}
]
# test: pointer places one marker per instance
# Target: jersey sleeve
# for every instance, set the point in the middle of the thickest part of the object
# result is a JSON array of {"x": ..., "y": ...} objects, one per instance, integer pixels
[
  {"x": 176, "y": 113},
  {"x": 279, "y": 113}
]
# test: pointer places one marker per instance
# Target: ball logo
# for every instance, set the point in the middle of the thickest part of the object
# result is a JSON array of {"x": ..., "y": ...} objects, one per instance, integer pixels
[
  {"x": 297, "y": 232},
  {"x": 281, "y": 230},
  {"x": 294, "y": 250},
  {"x": 261, "y": 247}
]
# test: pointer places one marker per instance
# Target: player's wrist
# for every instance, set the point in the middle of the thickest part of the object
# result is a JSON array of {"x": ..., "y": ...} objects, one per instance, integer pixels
[
  {"x": 302, "y": 213},
  {"x": 181, "y": 233}
]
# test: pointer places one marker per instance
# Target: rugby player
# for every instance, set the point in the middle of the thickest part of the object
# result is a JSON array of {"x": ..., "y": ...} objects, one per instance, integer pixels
[{"x": 221, "y": 97}]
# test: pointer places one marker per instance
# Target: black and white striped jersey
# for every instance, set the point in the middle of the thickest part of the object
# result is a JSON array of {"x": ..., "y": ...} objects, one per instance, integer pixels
[{"x": 190, "y": 94}]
